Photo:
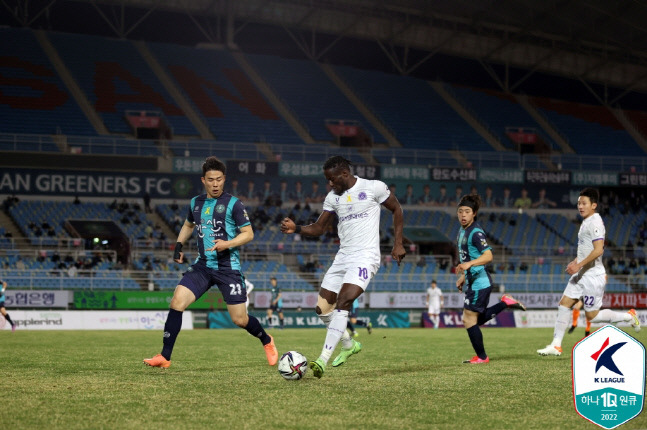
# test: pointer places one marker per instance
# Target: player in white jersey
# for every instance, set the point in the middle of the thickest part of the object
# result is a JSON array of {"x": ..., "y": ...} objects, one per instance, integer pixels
[
  {"x": 435, "y": 301},
  {"x": 356, "y": 201},
  {"x": 588, "y": 276}
]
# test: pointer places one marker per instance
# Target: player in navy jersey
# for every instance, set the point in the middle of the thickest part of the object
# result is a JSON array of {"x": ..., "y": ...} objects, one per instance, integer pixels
[
  {"x": 3, "y": 311},
  {"x": 475, "y": 253},
  {"x": 276, "y": 303},
  {"x": 223, "y": 226}
]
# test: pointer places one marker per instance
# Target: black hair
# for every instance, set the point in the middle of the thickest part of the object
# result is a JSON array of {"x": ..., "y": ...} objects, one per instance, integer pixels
[
  {"x": 337, "y": 162},
  {"x": 472, "y": 201},
  {"x": 592, "y": 193},
  {"x": 212, "y": 163}
]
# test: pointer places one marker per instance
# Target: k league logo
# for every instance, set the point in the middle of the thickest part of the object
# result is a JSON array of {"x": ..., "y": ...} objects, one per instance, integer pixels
[{"x": 609, "y": 377}]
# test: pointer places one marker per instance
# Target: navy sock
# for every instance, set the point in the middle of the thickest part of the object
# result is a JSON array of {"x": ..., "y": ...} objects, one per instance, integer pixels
[
  {"x": 491, "y": 312},
  {"x": 360, "y": 322},
  {"x": 171, "y": 330},
  {"x": 476, "y": 337},
  {"x": 281, "y": 322},
  {"x": 350, "y": 327},
  {"x": 8, "y": 318},
  {"x": 255, "y": 328}
]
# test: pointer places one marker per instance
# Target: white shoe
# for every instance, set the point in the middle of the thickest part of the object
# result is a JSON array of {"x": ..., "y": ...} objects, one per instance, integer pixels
[
  {"x": 635, "y": 322},
  {"x": 550, "y": 350}
]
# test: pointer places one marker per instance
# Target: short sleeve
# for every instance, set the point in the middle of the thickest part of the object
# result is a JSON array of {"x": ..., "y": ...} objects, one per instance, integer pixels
[
  {"x": 479, "y": 240},
  {"x": 189, "y": 216},
  {"x": 327, "y": 204},
  {"x": 381, "y": 191},
  {"x": 598, "y": 232},
  {"x": 239, "y": 214}
]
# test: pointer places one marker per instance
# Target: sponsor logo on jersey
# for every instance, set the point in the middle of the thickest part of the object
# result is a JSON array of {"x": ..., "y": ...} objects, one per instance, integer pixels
[{"x": 220, "y": 208}]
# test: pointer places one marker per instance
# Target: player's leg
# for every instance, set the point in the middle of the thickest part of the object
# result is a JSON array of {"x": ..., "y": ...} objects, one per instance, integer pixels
[
  {"x": 347, "y": 295},
  {"x": 475, "y": 305},
  {"x": 6, "y": 316},
  {"x": 576, "y": 318},
  {"x": 281, "y": 320},
  {"x": 182, "y": 298},
  {"x": 592, "y": 298},
  {"x": 269, "y": 316},
  {"x": 587, "y": 331},
  {"x": 350, "y": 327},
  {"x": 470, "y": 321},
  {"x": 242, "y": 319},
  {"x": 572, "y": 294}
]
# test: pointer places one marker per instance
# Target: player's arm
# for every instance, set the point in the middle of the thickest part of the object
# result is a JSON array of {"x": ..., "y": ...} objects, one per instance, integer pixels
[
  {"x": 460, "y": 281},
  {"x": 4, "y": 286},
  {"x": 315, "y": 229},
  {"x": 575, "y": 266},
  {"x": 246, "y": 235},
  {"x": 392, "y": 204},
  {"x": 185, "y": 234},
  {"x": 483, "y": 260}
]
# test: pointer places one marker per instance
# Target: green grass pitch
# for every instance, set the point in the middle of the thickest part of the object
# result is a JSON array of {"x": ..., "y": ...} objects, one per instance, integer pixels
[{"x": 403, "y": 379}]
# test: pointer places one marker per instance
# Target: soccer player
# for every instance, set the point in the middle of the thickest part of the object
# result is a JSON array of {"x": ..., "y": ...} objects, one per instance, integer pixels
[
  {"x": 475, "y": 253},
  {"x": 3, "y": 311},
  {"x": 356, "y": 201},
  {"x": 352, "y": 319},
  {"x": 276, "y": 303},
  {"x": 223, "y": 226},
  {"x": 588, "y": 277},
  {"x": 576, "y": 317},
  {"x": 435, "y": 301}
]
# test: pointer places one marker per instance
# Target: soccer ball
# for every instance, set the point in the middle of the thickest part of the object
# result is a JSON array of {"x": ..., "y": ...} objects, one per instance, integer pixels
[{"x": 293, "y": 365}]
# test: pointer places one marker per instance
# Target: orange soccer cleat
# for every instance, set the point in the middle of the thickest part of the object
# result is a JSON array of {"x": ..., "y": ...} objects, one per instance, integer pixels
[
  {"x": 270, "y": 352},
  {"x": 477, "y": 360},
  {"x": 158, "y": 361}
]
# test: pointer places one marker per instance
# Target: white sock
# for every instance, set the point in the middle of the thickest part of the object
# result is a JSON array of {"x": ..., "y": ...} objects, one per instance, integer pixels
[
  {"x": 562, "y": 323},
  {"x": 336, "y": 329},
  {"x": 346, "y": 340},
  {"x": 436, "y": 320},
  {"x": 609, "y": 316},
  {"x": 326, "y": 318}
]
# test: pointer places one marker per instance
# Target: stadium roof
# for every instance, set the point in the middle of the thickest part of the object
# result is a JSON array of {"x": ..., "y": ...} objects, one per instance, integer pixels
[{"x": 600, "y": 43}]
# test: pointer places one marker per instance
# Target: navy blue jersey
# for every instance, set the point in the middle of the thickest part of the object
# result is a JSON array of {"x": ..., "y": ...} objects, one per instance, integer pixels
[
  {"x": 219, "y": 218},
  {"x": 275, "y": 293},
  {"x": 472, "y": 243}
]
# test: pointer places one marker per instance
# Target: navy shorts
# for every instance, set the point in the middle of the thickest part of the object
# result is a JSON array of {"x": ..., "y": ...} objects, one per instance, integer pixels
[
  {"x": 477, "y": 300},
  {"x": 200, "y": 278},
  {"x": 352, "y": 313},
  {"x": 276, "y": 308}
]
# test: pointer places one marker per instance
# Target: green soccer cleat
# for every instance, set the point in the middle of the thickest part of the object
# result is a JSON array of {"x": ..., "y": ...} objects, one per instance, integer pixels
[
  {"x": 318, "y": 367},
  {"x": 345, "y": 353}
]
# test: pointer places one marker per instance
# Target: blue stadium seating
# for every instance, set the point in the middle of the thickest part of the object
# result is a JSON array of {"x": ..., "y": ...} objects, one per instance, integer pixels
[
  {"x": 33, "y": 98},
  {"x": 115, "y": 78}
]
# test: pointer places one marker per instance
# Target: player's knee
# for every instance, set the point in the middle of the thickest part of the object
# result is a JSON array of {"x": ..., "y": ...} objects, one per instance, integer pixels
[
  {"x": 323, "y": 307},
  {"x": 344, "y": 303},
  {"x": 240, "y": 320}
]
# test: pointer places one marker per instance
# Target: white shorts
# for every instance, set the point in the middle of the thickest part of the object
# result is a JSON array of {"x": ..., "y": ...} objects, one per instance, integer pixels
[
  {"x": 348, "y": 270},
  {"x": 589, "y": 288},
  {"x": 433, "y": 310}
]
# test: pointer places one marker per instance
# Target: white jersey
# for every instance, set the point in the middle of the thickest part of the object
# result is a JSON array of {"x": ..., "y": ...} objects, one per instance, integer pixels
[
  {"x": 591, "y": 230},
  {"x": 434, "y": 295},
  {"x": 358, "y": 209}
]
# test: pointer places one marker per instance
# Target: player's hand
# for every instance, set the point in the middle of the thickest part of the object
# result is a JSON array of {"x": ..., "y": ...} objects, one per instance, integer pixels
[
  {"x": 179, "y": 259},
  {"x": 288, "y": 226},
  {"x": 460, "y": 282},
  {"x": 572, "y": 268},
  {"x": 398, "y": 253},
  {"x": 463, "y": 267},
  {"x": 219, "y": 245}
]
